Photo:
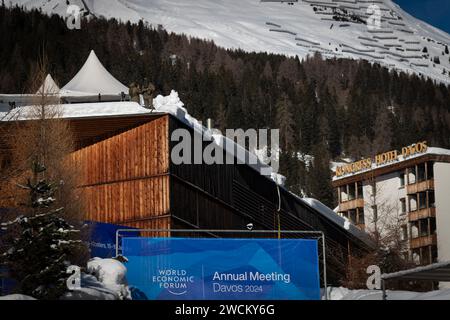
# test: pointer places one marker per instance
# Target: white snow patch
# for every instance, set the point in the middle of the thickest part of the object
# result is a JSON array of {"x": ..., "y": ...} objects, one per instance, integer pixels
[
  {"x": 342, "y": 293},
  {"x": 16, "y": 297}
]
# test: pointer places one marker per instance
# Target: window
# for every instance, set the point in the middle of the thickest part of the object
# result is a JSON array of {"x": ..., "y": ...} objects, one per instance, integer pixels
[
  {"x": 412, "y": 203},
  {"x": 351, "y": 191},
  {"x": 432, "y": 225},
  {"x": 360, "y": 216},
  {"x": 421, "y": 172},
  {"x": 414, "y": 229},
  {"x": 402, "y": 178},
  {"x": 423, "y": 227},
  {"x": 422, "y": 200},
  {"x": 431, "y": 200},
  {"x": 352, "y": 216},
  {"x": 430, "y": 170},
  {"x": 360, "y": 189},
  {"x": 343, "y": 191},
  {"x": 412, "y": 175},
  {"x": 434, "y": 254},
  {"x": 403, "y": 205}
]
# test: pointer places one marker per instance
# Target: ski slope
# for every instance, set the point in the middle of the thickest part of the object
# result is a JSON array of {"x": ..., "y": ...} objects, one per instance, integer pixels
[{"x": 303, "y": 28}]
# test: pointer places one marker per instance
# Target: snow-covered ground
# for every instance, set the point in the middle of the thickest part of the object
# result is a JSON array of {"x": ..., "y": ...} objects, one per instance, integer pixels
[
  {"x": 300, "y": 29},
  {"x": 346, "y": 294},
  {"x": 105, "y": 280}
]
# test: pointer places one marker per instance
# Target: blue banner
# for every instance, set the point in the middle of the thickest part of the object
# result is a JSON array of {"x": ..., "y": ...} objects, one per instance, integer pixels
[
  {"x": 102, "y": 238},
  {"x": 223, "y": 269}
]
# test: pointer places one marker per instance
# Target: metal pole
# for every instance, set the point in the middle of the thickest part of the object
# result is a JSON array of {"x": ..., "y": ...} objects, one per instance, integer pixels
[
  {"x": 383, "y": 288},
  {"x": 117, "y": 242},
  {"x": 324, "y": 266}
]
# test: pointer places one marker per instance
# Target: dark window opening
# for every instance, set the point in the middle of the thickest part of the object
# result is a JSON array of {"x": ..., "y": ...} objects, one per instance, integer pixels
[
  {"x": 421, "y": 172},
  {"x": 403, "y": 205},
  {"x": 360, "y": 190},
  {"x": 422, "y": 200},
  {"x": 430, "y": 170},
  {"x": 402, "y": 178}
]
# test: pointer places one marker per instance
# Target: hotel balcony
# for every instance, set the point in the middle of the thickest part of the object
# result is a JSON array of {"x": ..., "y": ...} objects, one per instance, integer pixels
[
  {"x": 351, "y": 204},
  {"x": 424, "y": 241},
  {"x": 420, "y": 186},
  {"x": 422, "y": 214}
]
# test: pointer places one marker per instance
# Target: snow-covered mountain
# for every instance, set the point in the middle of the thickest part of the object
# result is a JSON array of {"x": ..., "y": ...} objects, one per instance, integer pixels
[{"x": 335, "y": 28}]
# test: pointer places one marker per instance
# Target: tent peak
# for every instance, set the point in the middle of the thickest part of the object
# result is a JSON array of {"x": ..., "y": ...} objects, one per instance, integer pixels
[{"x": 93, "y": 79}]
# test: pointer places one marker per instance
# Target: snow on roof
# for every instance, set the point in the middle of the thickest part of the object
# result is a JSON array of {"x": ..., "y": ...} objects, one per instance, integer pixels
[
  {"x": 93, "y": 79},
  {"x": 48, "y": 87},
  {"x": 340, "y": 221},
  {"x": 173, "y": 105},
  {"x": 78, "y": 110},
  {"x": 430, "y": 150}
]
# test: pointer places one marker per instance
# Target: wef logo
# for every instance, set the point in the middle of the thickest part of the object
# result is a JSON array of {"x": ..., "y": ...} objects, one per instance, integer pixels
[{"x": 175, "y": 281}]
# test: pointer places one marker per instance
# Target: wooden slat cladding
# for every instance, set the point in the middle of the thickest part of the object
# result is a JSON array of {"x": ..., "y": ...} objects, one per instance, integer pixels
[
  {"x": 127, "y": 201},
  {"x": 137, "y": 153},
  {"x": 157, "y": 223},
  {"x": 124, "y": 179}
]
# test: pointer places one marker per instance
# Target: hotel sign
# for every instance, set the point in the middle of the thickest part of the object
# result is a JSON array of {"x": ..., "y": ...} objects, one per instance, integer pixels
[{"x": 381, "y": 159}]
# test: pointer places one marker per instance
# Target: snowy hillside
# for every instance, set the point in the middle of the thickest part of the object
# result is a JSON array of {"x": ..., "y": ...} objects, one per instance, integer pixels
[{"x": 331, "y": 27}]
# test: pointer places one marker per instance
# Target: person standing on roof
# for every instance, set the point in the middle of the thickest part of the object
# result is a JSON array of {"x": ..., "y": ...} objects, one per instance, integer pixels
[
  {"x": 148, "y": 90},
  {"x": 134, "y": 92}
]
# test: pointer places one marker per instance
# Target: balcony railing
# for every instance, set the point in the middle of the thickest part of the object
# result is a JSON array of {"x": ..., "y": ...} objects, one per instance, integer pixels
[
  {"x": 424, "y": 241},
  {"x": 422, "y": 214},
  {"x": 420, "y": 186},
  {"x": 351, "y": 204}
]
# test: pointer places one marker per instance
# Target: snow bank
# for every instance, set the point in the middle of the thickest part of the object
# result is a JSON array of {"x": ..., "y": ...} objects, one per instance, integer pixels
[
  {"x": 346, "y": 294},
  {"x": 77, "y": 110},
  {"x": 107, "y": 271},
  {"x": 106, "y": 281},
  {"x": 17, "y": 297}
]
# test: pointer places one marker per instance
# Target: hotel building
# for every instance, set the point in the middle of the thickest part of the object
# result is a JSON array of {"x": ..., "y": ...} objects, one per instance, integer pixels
[{"x": 405, "y": 192}]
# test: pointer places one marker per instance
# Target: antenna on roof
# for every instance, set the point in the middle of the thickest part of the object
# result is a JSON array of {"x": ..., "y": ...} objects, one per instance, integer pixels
[{"x": 209, "y": 123}]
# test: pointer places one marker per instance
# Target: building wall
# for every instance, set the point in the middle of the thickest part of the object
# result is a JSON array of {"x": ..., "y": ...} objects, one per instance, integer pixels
[
  {"x": 442, "y": 196},
  {"x": 124, "y": 178},
  {"x": 387, "y": 199}
]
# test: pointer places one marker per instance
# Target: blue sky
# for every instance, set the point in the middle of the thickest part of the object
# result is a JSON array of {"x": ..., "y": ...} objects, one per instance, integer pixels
[{"x": 435, "y": 12}]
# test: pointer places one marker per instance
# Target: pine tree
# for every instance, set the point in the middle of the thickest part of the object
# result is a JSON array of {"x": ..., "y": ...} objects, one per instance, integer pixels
[
  {"x": 41, "y": 243},
  {"x": 319, "y": 175},
  {"x": 285, "y": 122},
  {"x": 382, "y": 128}
]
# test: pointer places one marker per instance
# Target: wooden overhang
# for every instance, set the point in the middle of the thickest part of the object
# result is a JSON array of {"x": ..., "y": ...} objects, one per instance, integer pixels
[
  {"x": 91, "y": 129},
  {"x": 370, "y": 174}
]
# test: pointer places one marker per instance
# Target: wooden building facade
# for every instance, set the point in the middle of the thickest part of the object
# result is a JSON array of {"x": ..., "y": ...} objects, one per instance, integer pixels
[{"x": 127, "y": 178}]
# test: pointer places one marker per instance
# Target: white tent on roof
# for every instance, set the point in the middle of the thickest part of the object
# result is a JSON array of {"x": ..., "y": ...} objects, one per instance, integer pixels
[
  {"x": 93, "y": 80},
  {"x": 48, "y": 87}
]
